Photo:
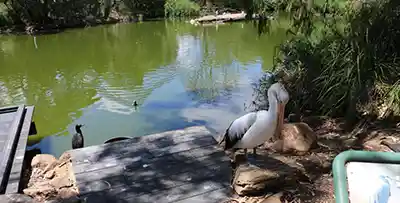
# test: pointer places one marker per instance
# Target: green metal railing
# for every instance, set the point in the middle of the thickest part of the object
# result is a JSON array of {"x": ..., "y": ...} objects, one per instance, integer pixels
[{"x": 339, "y": 169}]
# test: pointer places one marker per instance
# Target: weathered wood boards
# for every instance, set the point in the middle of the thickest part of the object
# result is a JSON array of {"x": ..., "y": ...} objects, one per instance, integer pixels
[
  {"x": 10, "y": 121},
  {"x": 176, "y": 166},
  {"x": 14, "y": 129},
  {"x": 13, "y": 185}
]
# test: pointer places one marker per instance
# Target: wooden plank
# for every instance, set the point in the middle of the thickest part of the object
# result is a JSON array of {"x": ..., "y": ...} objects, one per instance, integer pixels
[
  {"x": 142, "y": 152},
  {"x": 13, "y": 185},
  {"x": 182, "y": 194},
  {"x": 10, "y": 146},
  {"x": 165, "y": 167},
  {"x": 167, "y": 180},
  {"x": 165, "y": 138},
  {"x": 216, "y": 196},
  {"x": 147, "y": 175},
  {"x": 206, "y": 154}
]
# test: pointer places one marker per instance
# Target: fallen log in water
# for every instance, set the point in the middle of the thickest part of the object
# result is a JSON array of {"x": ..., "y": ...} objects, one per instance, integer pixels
[{"x": 226, "y": 17}]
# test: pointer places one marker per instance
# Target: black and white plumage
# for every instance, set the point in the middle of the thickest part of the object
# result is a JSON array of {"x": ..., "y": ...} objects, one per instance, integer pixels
[
  {"x": 77, "y": 138},
  {"x": 255, "y": 128}
]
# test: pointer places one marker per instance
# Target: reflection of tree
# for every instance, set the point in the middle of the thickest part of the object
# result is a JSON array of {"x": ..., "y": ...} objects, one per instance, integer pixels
[
  {"x": 218, "y": 50},
  {"x": 67, "y": 71}
]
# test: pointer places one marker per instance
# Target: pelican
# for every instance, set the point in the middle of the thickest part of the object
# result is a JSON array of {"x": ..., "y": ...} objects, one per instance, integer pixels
[
  {"x": 77, "y": 138},
  {"x": 255, "y": 128}
]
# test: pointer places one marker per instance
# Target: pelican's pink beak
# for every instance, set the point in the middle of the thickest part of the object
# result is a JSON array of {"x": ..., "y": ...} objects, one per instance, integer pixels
[{"x": 281, "y": 115}]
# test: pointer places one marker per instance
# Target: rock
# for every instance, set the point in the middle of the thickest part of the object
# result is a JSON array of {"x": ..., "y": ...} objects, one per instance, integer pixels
[
  {"x": 378, "y": 143},
  {"x": 16, "y": 198},
  {"x": 250, "y": 180},
  {"x": 67, "y": 193},
  {"x": 49, "y": 174},
  {"x": 276, "y": 198},
  {"x": 295, "y": 137},
  {"x": 51, "y": 179},
  {"x": 67, "y": 200},
  {"x": 40, "y": 193},
  {"x": 42, "y": 161},
  {"x": 61, "y": 182}
]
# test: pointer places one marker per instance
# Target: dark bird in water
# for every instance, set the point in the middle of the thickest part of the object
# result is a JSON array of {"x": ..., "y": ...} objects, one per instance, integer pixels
[
  {"x": 77, "y": 139},
  {"x": 253, "y": 129},
  {"x": 135, "y": 104}
]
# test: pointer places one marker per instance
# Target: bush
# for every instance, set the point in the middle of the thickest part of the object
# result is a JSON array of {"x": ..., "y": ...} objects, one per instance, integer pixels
[
  {"x": 346, "y": 65},
  {"x": 4, "y": 19},
  {"x": 181, "y": 8}
]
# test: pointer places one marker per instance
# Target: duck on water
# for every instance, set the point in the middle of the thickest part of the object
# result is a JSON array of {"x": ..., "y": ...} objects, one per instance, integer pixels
[
  {"x": 77, "y": 138},
  {"x": 255, "y": 128}
]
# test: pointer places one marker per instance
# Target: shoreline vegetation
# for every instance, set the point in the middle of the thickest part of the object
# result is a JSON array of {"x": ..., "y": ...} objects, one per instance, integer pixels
[{"x": 35, "y": 17}]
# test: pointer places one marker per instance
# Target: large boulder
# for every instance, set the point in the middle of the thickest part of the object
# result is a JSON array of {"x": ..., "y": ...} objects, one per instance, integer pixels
[
  {"x": 51, "y": 178},
  {"x": 295, "y": 137},
  {"x": 273, "y": 198},
  {"x": 252, "y": 180}
]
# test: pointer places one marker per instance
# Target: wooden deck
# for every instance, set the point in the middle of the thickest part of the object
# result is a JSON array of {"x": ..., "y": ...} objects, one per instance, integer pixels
[
  {"x": 15, "y": 124},
  {"x": 184, "y": 166}
]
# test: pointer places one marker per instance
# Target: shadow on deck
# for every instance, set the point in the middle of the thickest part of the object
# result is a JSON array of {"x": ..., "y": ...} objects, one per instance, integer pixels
[{"x": 176, "y": 166}]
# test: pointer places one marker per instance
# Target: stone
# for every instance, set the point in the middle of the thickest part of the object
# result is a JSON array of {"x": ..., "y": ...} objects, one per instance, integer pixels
[
  {"x": 378, "y": 144},
  {"x": 295, "y": 137},
  {"x": 68, "y": 193},
  {"x": 74, "y": 199},
  {"x": 61, "y": 182},
  {"x": 51, "y": 179},
  {"x": 273, "y": 198},
  {"x": 276, "y": 198},
  {"x": 49, "y": 174},
  {"x": 42, "y": 161},
  {"x": 40, "y": 193},
  {"x": 251, "y": 180},
  {"x": 16, "y": 198}
]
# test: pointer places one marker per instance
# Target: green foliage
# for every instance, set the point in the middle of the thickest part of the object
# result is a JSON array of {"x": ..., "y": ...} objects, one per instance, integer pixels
[
  {"x": 4, "y": 19},
  {"x": 344, "y": 61},
  {"x": 181, "y": 8}
]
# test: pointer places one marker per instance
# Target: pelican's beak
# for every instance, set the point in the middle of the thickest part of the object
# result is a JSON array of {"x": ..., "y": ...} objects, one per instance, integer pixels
[{"x": 281, "y": 115}]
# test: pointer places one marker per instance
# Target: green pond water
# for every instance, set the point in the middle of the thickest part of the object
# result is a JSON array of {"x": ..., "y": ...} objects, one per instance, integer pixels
[{"x": 180, "y": 75}]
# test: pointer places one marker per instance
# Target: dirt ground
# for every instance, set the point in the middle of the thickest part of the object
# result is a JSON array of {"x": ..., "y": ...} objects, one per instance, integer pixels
[{"x": 312, "y": 179}]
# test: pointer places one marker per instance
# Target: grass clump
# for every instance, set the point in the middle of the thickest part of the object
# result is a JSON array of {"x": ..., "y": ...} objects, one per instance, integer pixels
[
  {"x": 181, "y": 8},
  {"x": 4, "y": 19},
  {"x": 343, "y": 60}
]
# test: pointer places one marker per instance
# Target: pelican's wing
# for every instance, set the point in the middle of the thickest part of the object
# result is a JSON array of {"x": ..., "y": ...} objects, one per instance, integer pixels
[{"x": 238, "y": 128}]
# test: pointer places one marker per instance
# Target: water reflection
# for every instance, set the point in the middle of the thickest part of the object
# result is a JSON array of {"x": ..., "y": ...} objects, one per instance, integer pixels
[{"x": 179, "y": 74}]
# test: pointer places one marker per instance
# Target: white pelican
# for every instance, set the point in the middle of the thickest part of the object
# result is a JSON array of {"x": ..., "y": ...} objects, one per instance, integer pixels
[{"x": 255, "y": 128}]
